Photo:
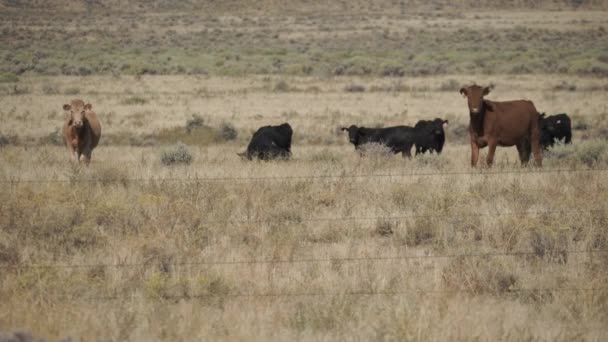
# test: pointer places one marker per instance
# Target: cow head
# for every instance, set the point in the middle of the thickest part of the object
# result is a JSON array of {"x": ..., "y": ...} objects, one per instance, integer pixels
[
  {"x": 76, "y": 112},
  {"x": 438, "y": 125},
  {"x": 353, "y": 134},
  {"x": 547, "y": 130},
  {"x": 474, "y": 95}
]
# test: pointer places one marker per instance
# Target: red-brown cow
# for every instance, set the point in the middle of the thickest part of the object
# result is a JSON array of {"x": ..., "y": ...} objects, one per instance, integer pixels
[
  {"x": 501, "y": 124},
  {"x": 81, "y": 130}
]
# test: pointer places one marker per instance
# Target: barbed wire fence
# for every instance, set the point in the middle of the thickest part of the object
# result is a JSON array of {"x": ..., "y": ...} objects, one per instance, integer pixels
[
  {"x": 343, "y": 259},
  {"x": 197, "y": 178}
]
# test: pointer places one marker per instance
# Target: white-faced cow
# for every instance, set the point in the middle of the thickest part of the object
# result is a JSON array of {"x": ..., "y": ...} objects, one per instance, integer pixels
[
  {"x": 81, "y": 130},
  {"x": 510, "y": 123},
  {"x": 555, "y": 128}
]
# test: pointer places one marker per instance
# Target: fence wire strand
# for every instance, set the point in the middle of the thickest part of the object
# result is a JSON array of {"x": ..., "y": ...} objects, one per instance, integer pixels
[
  {"x": 296, "y": 177},
  {"x": 295, "y": 261}
]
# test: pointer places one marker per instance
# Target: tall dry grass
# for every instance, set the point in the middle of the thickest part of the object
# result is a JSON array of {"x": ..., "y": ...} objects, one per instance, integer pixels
[{"x": 418, "y": 249}]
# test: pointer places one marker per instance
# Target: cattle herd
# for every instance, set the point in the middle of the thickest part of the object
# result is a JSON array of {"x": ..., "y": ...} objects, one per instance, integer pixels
[{"x": 510, "y": 123}]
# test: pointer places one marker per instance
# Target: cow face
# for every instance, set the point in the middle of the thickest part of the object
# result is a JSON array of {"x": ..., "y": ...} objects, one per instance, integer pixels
[
  {"x": 353, "y": 134},
  {"x": 438, "y": 125},
  {"x": 76, "y": 113},
  {"x": 474, "y": 95}
]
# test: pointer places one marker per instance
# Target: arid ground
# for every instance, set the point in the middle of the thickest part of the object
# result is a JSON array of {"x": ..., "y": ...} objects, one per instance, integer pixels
[{"x": 325, "y": 246}]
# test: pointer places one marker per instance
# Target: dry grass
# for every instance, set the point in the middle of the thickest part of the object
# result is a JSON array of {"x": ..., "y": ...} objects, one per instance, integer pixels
[{"x": 175, "y": 237}]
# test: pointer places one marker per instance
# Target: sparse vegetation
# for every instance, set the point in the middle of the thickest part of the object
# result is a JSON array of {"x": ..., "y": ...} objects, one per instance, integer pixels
[
  {"x": 176, "y": 154},
  {"x": 362, "y": 250}
]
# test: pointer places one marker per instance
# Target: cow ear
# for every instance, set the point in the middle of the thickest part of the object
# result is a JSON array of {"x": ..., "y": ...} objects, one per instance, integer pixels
[
  {"x": 445, "y": 122},
  {"x": 463, "y": 91},
  {"x": 88, "y": 106},
  {"x": 486, "y": 90},
  {"x": 66, "y": 107},
  {"x": 344, "y": 129},
  {"x": 542, "y": 115}
]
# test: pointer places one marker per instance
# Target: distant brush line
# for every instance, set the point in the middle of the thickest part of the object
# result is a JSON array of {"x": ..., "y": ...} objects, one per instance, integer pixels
[
  {"x": 323, "y": 294},
  {"x": 270, "y": 178},
  {"x": 299, "y": 261}
]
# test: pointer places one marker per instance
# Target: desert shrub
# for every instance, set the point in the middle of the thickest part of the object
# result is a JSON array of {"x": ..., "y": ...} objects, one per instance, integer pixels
[
  {"x": 227, "y": 132},
  {"x": 6, "y": 140},
  {"x": 134, "y": 100},
  {"x": 431, "y": 160},
  {"x": 458, "y": 131},
  {"x": 325, "y": 156},
  {"x": 50, "y": 89},
  {"x": 71, "y": 91},
  {"x": 550, "y": 245},
  {"x": 592, "y": 152},
  {"x": 176, "y": 154},
  {"x": 565, "y": 85},
  {"x": 281, "y": 86},
  {"x": 108, "y": 175},
  {"x": 20, "y": 90},
  {"x": 385, "y": 227},
  {"x": 195, "y": 122},
  {"x": 354, "y": 88},
  {"x": 9, "y": 255},
  {"x": 449, "y": 85},
  {"x": 478, "y": 276},
  {"x": 8, "y": 78},
  {"x": 392, "y": 70},
  {"x": 422, "y": 231},
  {"x": 375, "y": 150},
  {"x": 54, "y": 138}
]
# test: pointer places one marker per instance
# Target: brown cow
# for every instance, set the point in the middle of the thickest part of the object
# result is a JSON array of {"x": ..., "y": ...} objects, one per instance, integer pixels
[
  {"x": 81, "y": 130},
  {"x": 501, "y": 124}
]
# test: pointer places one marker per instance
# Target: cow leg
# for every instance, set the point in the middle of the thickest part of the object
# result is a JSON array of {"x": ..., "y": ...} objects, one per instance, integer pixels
[
  {"x": 535, "y": 142},
  {"x": 523, "y": 148},
  {"x": 568, "y": 138},
  {"x": 491, "y": 151},
  {"x": 407, "y": 152},
  {"x": 474, "y": 153},
  {"x": 86, "y": 157}
]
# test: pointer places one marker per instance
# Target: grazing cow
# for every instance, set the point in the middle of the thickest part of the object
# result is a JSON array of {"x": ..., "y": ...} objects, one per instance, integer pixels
[
  {"x": 501, "y": 124},
  {"x": 429, "y": 135},
  {"x": 555, "y": 127},
  {"x": 399, "y": 138},
  {"x": 270, "y": 142},
  {"x": 81, "y": 130}
]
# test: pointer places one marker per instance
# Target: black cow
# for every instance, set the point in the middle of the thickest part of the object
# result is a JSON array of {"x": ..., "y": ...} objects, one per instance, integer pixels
[
  {"x": 270, "y": 142},
  {"x": 399, "y": 138},
  {"x": 429, "y": 135},
  {"x": 554, "y": 127}
]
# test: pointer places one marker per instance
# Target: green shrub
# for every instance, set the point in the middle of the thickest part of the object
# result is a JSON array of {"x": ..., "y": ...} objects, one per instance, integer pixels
[
  {"x": 176, "y": 154},
  {"x": 281, "y": 86},
  {"x": 8, "y": 78},
  {"x": 71, "y": 91},
  {"x": 227, "y": 132},
  {"x": 354, "y": 88},
  {"x": 134, "y": 100},
  {"x": 195, "y": 122},
  {"x": 50, "y": 89},
  {"x": 54, "y": 138}
]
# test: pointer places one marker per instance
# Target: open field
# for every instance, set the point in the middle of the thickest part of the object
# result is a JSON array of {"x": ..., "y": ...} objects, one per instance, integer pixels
[
  {"x": 327, "y": 245},
  {"x": 293, "y": 240},
  {"x": 346, "y": 38}
]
